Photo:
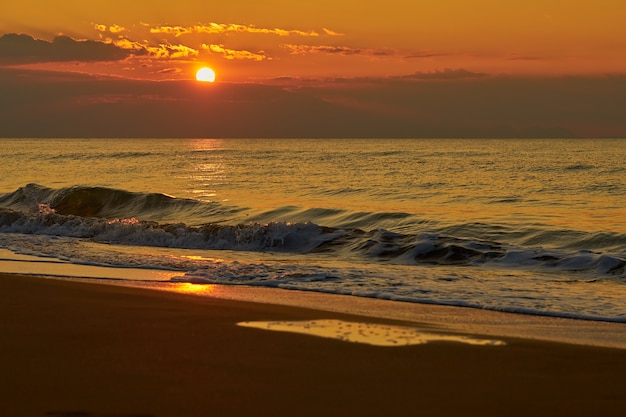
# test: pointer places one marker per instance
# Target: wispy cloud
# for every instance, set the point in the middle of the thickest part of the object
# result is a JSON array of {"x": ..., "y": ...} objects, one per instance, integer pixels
[
  {"x": 339, "y": 50},
  {"x": 172, "y": 51},
  {"x": 160, "y": 51},
  {"x": 125, "y": 39},
  {"x": 110, "y": 29},
  {"x": 427, "y": 53},
  {"x": 169, "y": 71},
  {"x": 232, "y": 54},
  {"x": 331, "y": 32},
  {"x": 128, "y": 44},
  {"x": 114, "y": 35},
  {"x": 24, "y": 49},
  {"x": 446, "y": 74},
  {"x": 221, "y": 28}
]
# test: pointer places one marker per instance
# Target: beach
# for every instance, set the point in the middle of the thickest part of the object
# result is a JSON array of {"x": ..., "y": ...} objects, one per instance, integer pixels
[
  {"x": 83, "y": 349},
  {"x": 292, "y": 209},
  {"x": 524, "y": 226}
]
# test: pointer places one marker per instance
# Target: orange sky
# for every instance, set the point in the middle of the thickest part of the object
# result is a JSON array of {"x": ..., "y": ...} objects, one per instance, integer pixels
[
  {"x": 329, "y": 68},
  {"x": 252, "y": 40}
]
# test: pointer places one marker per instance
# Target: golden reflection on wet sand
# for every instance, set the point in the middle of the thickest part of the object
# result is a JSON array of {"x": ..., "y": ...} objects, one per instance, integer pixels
[
  {"x": 368, "y": 333},
  {"x": 190, "y": 288}
]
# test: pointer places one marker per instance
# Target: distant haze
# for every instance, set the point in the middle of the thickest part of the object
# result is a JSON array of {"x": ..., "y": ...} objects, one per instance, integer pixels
[
  {"x": 446, "y": 68},
  {"x": 46, "y": 104}
]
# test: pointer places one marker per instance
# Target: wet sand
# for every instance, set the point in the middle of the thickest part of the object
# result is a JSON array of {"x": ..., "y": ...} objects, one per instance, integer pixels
[{"x": 83, "y": 349}]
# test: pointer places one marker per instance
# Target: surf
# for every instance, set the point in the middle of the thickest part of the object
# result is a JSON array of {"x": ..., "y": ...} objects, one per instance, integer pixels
[{"x": 141, "y": 219}]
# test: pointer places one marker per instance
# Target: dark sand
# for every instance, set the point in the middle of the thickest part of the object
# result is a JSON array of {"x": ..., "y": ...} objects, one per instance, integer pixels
[{"x": 89, "y": 350}]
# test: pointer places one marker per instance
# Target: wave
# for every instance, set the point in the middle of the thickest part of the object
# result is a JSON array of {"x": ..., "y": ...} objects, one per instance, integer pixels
[
  {"x": 113, "y": 216},
  {"x": 102, "y": 202}
]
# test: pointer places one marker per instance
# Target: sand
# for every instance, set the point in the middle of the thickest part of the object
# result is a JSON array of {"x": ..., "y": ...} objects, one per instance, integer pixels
[{"x": 83, "y": 349}]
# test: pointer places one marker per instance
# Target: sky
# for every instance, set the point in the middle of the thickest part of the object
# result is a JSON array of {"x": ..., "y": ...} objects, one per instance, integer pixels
[{"x": 449, "y": 68}]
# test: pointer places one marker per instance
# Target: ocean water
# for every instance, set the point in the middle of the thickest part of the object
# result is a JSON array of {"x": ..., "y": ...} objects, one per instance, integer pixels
[{"x": 527, "y": 226}]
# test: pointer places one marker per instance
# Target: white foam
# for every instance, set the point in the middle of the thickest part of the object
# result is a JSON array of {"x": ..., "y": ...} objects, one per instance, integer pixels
[{"x": 34, "y": 265}]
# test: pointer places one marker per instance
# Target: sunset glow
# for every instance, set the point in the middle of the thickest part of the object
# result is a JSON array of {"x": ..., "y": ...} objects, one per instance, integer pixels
[
  {"x": 206, "y": 75},
  {"x": 450, "y": 68},
  {"x": 277, "y": 169},
  {"x": 279, "y": 39}
]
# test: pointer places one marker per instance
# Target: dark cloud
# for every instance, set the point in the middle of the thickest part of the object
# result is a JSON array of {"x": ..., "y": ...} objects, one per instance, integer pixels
[
  {"x": 24, "y": 49},
  {"x": 46, "y": 104}
]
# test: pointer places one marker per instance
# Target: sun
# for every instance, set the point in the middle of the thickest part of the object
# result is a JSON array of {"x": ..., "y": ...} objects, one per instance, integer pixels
[{"x": 205, "y": 74}]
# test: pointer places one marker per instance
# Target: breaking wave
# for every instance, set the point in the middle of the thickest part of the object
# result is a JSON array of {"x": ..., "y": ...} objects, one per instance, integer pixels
[{"x": 122, "y": 217}]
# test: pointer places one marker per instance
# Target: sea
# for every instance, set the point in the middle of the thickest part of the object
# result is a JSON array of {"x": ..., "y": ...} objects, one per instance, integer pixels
[{"x": 531, "y": 226}]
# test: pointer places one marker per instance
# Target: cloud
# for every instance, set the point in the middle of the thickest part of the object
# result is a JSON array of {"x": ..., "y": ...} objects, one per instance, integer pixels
[
  {"x": 221, "y": 28},
  {"x": 172, "y": 51},
  {"x": 24, "y": 49},
  {"x": 232, "y": 54},
  {"x": 446, "y": 74},
  {"x": 111, "y": 29},
  {"x": 425, "y": 54},
  {"x": 338, "y": 50},
  {"x": 160, "y": 51},
  {"x": 114, "y": 35},
  {"x": 331, "y": 32},
  {"x": 129, "y": 45},
  {"x": 169, "y": 71}
]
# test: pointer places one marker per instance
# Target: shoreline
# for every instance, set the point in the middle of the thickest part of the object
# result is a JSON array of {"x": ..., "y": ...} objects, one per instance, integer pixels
[
  {"x": 109, "y": 350},
  {"x": 456, "y": 319}
]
